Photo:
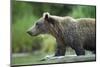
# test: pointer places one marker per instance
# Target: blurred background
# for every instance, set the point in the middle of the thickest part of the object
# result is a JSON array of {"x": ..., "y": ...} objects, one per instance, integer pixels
[{"x": 25, "y": 14}]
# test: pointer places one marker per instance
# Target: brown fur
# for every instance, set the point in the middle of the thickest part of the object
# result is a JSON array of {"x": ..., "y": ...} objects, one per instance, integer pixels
[{"x": 78, "y": 34}]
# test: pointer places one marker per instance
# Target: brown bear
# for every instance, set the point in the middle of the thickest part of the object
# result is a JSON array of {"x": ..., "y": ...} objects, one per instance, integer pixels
[{"x": 79, "y": 34}]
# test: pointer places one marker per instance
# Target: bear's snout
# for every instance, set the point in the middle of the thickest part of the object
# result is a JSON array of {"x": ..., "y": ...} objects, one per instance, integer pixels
[{"x": 29, "y": 32}]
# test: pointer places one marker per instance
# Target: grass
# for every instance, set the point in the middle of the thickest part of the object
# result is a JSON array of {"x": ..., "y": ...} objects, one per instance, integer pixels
[{"x": 30, "y": 59}]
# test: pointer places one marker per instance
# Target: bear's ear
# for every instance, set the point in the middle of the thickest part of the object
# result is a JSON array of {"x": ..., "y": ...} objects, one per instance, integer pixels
[
  {"x": 46, "y": 15},
  {"x": 48, "y": 18}
]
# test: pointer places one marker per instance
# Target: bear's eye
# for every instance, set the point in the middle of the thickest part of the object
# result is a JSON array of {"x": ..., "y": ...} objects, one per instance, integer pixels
[{"x": 39, "y": 24}]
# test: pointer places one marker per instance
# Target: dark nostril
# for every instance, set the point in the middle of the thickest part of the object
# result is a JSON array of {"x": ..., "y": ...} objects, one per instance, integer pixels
[{"x": 29, "y": 32}]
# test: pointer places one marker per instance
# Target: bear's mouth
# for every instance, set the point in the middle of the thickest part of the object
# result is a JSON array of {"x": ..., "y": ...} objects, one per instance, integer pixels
[{"x": 32, "y": 34}]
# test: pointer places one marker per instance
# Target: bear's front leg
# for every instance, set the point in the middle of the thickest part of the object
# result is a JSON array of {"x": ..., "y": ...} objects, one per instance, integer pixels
[
  {"x": 60, "y": 50},
  {"x": 79, "y": 51}
]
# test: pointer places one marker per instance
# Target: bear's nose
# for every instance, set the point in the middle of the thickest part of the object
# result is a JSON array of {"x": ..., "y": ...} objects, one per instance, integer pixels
[{"x": 29, "y": 32}]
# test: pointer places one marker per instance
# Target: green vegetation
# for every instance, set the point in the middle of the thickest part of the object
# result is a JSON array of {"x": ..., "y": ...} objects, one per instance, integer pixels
[
  {"x": 83, "y": 12},
  {"x": 29, "y": 59},
  {"x": 24, "y": 15}
]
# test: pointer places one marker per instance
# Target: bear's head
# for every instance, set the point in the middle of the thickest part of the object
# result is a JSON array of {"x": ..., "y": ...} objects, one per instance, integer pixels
[{"x": 40, "y": 26}]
